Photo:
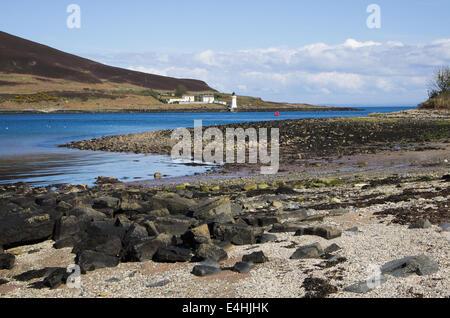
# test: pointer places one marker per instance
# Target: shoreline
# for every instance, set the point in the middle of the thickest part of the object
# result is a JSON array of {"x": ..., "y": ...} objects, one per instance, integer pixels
[
  {"x": 182, "y": 110},
  {"x": 319, "y": 228}
]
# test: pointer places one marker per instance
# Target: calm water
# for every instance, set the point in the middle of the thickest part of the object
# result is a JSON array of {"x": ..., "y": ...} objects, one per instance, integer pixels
[{"x": 29, "y": 152}]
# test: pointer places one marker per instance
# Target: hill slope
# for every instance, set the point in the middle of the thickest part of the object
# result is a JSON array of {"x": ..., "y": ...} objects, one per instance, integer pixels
[{"x": 21, "y": 56}]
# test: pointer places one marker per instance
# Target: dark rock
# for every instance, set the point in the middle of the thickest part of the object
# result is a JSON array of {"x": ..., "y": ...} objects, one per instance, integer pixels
[
  {"x": 25, "y": 226},
  {"x": 70, "y": 241},
  {"x": 151, "y": 228},
  {"x": 173, "y": 225},
  {"x": 158, "y": 213},
  {"x": 332, "y": 248},
  {"x": 421, "y": 224},
  {"x": 172, "y": 255},
  {"x": 173, "y": 202},
  {"x": 242, "y": 267},
  {"x": 3, "y": 281},
  {"x": 91, "y": 260},
  {"x": 219, "y": 211},
  {"x": 142, "y": 251},
  {"x": 166, "y": 240},
  {"x": 237, "y": 234},
  {"x": 132, "y": 206},
  {"x": 196, "y": 236},
  {"x": 249, "y": 220},
  {"x": 86, "y": 214},
  {"x": 255, "y": 258},
  {"x": 1, "y": 249},
  {"x": 112, "y": 246},
  {"x": 7, "y": 261},
  {"x": 210, "y": 251},
  {"x": 420, "y": 265},
  {"x": 106, "y": 202},
  {"x": 101, "y": 236},
  {"x": 135, "y": 233},
  {"x": 46, "y": 200},
  {"x": 122, "y": 221},
  {"x": 308, "y": 251},
  {"x": 67, "y": 226},
  {"x": 63, "y": 206},
  {"x": 266, "y": 238},
  {"x": 205, "y": 270},
  {"x": 56, "y": 278},
  {"x": 326, "y": 232}
]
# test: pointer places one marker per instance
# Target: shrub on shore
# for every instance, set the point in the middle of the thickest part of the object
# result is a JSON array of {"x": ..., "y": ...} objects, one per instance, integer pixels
[{"x": 439, "y": 90}]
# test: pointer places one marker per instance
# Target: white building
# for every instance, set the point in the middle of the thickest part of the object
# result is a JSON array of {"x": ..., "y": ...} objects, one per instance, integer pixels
[
  {"x": 185, "y": 99},
  {"x": 209, "y": 99}
]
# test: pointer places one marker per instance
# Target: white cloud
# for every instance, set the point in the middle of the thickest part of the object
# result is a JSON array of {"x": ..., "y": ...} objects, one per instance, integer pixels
[{"x": 348, "y": 73}]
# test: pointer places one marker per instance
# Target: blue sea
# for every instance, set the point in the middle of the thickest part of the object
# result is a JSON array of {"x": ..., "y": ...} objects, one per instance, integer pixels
[{"x": 29, "y": 152}]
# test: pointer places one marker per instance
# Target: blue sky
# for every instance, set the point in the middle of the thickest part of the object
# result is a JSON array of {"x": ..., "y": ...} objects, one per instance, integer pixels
[{"x": 320, "y": 52}]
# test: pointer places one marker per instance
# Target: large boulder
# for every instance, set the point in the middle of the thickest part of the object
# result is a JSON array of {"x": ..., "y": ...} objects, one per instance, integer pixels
[
  {"x": 106, "y": 202},
  {"x": 91, "y": 260},
  {"x": 172, "y": 255},
  {"x": 56, "y": 278},
  {"x": 141, "y": 251},
  {"x": 237, "y": 234},
  {"x": 67, "y": 226},
  {"x": 135, "y": 233},
  {"x": 217, "y": 211},
  {"x": 101, "y": 236},
  {"x": 255, "y": 258},
  {"x": 196, "y": 236},
  {"x": 420, "y": 265},
  {"x": 176, "y": 225},
  {"x": 173, "y": 202},
  {"x": 210, "y": 251},
  {"x": 86, "y": 214},
  {"x": 19, "y": 226}
]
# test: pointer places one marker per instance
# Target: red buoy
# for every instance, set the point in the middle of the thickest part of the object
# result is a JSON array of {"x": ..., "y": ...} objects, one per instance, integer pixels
[{"x": 277, "y": 114}]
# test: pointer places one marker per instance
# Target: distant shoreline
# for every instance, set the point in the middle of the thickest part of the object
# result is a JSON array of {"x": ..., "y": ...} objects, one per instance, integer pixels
[{"x": 202, "y": 110}]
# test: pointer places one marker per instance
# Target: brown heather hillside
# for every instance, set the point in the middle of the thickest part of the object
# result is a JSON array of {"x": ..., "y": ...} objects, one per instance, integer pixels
[{"x": 21, "y": 56}]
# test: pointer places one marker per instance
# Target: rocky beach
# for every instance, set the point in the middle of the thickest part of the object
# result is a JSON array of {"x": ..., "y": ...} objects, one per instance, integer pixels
[{"x": 359, "y": 208}]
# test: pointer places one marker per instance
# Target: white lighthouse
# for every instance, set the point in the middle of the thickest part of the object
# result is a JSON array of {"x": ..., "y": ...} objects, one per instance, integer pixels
[{"x": 233, "y": 101}]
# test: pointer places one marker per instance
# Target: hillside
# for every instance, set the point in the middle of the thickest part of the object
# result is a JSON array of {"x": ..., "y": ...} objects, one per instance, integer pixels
[
  {"x": 21, "y": 56},
  {"x": 38, "y": 78}
]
